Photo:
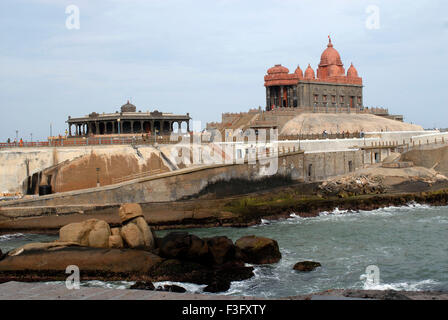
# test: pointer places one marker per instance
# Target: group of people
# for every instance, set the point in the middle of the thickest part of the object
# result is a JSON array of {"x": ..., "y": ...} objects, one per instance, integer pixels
[
  {"x": 344, "y": 134},
  {"x": 15, "y": 142}
]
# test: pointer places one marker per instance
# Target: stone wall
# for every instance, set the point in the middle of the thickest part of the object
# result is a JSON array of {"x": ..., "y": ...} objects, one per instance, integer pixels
[
  {"x": 190, "y": 181},
  {"x": 17, "y": 164}
]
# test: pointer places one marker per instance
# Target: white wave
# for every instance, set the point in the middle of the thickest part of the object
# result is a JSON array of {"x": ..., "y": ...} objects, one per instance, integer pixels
[
  {"x": 7, "y": 237},
  {"x": 401, "y": 286},
  {"x": 264, "y": 222},
  {"x": 190, "y": 287}
]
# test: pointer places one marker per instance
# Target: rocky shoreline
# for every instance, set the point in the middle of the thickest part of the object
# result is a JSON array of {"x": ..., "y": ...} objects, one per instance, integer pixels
[
  {"x": 236, "y": 211},
  {"x": 132, "y": 252}
]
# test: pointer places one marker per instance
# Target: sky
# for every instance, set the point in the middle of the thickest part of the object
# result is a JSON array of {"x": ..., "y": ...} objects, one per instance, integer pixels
[{"x": 207, "y": 57}]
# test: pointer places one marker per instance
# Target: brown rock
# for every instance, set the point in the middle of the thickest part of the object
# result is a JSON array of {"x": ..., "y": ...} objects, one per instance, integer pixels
[
  {"x": 129, "y": 211},
  {"x": 181, "y": 245},
  {"x": 99, "y": 235},
  {"x": 147, "y": 234},
  {"x": 221, "y": 249},
  {"x": 116, "y": 241},
  {"x": 259, "y": 250},
  {"x": 171, "y": 288},
  {"x": 306, "y": 266},
  {"x": 115, "y": 231},
  {"x": 132, "y": 236},
  {"x": 77, "y": 232}
]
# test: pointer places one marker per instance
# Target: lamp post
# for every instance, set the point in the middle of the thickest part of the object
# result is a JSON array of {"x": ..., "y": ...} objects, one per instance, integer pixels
[
  {"x": 97, "y": 177},
  {"x": 118, "y": 120},
  {"x": 17, "y": 137}
]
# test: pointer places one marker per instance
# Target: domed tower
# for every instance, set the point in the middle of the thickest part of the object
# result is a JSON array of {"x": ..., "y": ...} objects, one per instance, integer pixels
[
  {"x": 330, "y": 63},
  {"x": 309, "y": 73},
  {"x": 128, "y": 107},
  {"x": 298, "y": 73},
  {"x": 352, "y": 72}
]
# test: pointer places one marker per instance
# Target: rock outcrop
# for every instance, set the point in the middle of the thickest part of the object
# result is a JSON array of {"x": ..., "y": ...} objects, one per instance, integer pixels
[
  {"x": 352, "y": 185},
  {"x": 135, "y": 232},
  {"x": 184, "y": 246},
  {"x": 306, "y": 266},
  {"x": 90, "y": 233},
  {"x": 129, "y": 211},
  {"x": 259, "y": 250},
  {"x": 222, "y": 250}
]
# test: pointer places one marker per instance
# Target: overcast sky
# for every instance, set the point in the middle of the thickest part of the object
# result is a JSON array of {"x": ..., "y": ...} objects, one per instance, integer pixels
[{"x": 208, "y": 57}]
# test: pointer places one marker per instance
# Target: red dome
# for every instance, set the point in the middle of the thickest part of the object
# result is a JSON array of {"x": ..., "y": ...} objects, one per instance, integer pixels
[
  {"x": 299, "y": 72},
  {"x": 309, "y": 73},
  {"x": 330, "y": 56},
  {"x": 278, "y": 68},
  {"x": 352, "y": 72}
]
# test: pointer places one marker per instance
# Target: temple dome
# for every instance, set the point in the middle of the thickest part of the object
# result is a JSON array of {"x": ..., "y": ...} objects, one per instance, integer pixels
[
  {"x": 299, "y": 72},
  {"x": 352, "y": 72},
  {"x": 330, "y": 56},
  {"x": 128, "y": 107},
  {"x": 309, "y": 73},
  {"x": 278, "y": 68}
]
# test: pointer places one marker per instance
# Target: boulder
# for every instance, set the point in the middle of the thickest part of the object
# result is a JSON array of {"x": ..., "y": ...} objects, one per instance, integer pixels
[
  {"x": 99, "y": 235},
  {"x": 306, "y": 266},
  {"x": 217, "y": 286},
  {"x": 193, "y": 272},
  {"x": 143, "y": 285},
  {"x": 171, "y": 288},
  {"x": 77, "y": 232},
  {"x": 259, "y": 250},
  {"x": 115, "y": 231},
  {"x": 129, "y": 211},
  {"x": 148, "y": 237},
  {"x": 116, "y": 241},
  {"x": 181, "y": 245},
  {"x": 132, "y": 236},
  {"x": 221, "y": 250},
  {"x": 92, "y": 232}
]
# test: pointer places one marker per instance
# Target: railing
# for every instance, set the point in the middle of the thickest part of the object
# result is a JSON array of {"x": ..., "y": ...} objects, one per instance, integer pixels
[
  {"x": 70, "y": 142},
  {"x": 136, "y": 176},
  {"x": 321, "y": 136},
  {"x": 207, "y": 137}
]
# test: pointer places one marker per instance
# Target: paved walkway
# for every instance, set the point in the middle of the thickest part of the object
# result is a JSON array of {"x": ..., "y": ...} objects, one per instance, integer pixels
[{"x": 42, "y": 291}]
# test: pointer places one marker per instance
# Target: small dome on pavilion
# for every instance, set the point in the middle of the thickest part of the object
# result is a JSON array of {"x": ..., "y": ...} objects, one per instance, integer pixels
[
  {"x": 309, "y": 73},
  {"x": 278, "y": 68},
  {"x": 128, "y": 107}
]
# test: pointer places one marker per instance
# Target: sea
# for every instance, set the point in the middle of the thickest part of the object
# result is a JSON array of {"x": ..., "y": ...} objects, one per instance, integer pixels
[{"x": 406, "y": 247}]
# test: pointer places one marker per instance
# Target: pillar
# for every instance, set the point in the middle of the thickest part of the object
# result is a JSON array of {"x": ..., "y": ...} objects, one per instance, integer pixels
[{"x": 281, "y": 97}]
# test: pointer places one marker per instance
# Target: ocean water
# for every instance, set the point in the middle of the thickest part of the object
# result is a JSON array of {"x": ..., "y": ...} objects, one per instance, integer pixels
[{"x": 408, "y": 245}]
